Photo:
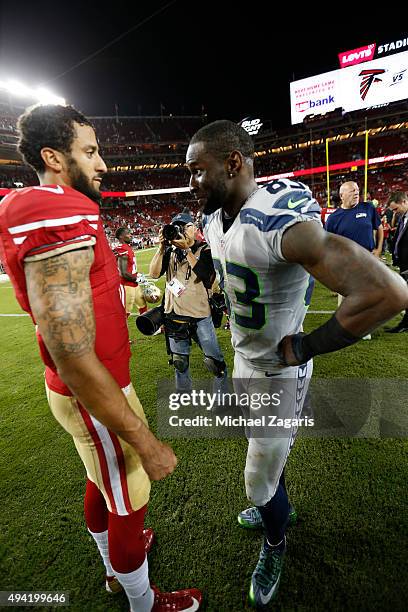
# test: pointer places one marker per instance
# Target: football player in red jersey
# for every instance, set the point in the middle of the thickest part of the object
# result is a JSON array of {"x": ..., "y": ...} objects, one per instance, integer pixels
[
  {"x": 128, "y": 270},
  {"x": 325, "y": 213},
  {"x": 65, "y": 276},
  {"x": 128, "y": 273}
]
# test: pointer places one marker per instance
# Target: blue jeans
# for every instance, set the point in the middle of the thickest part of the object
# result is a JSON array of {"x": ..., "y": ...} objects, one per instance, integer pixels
[{"x": 209, "y": 345}]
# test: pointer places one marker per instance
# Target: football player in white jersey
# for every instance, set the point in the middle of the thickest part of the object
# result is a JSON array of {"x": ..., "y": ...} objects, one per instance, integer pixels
[{"x": 266, "y": 244}]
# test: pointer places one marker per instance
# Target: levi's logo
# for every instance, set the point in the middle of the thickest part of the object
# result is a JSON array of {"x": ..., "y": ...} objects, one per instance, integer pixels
[{"x": 362, "y": 54}]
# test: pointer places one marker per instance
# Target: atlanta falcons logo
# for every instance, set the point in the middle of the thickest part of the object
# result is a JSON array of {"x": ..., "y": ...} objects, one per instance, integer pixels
[{"x": 369, "y": 77}]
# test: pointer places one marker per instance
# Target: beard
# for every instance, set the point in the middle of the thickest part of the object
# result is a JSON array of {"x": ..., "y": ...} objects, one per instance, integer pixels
[
  {"x": 81, "y": 183},
  {"x": 215, "y": 199}
]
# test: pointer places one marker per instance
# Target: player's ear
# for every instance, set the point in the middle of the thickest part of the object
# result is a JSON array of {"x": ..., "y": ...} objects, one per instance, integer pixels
[
  {"x": 53, "y": 159},
  {"x": 234, "y": 163}
]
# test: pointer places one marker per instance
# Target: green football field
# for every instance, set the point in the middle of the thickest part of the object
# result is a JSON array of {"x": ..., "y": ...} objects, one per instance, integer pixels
[{"x": 347, "y": 552}]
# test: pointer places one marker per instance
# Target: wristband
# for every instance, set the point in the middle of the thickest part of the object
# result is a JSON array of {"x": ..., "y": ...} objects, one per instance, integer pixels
[{"x": 325, "y": 339}]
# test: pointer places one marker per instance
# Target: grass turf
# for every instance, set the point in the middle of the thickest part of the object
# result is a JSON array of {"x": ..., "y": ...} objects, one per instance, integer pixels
[{"x": 347, "y": 552}]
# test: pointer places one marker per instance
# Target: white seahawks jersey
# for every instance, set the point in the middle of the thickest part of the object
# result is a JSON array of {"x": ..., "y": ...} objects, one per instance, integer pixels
[{"x": 268, "y": 297}]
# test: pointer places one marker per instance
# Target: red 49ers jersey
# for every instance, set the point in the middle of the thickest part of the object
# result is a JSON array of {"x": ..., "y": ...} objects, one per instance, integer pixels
[
  {"x": 41, "y": 222},
  {"x": 124, "y": 250},
  {"x": 325, "y": 213}
]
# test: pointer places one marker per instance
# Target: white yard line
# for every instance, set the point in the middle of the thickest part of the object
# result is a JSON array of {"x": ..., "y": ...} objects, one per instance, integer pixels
[{"x": 320, "y": 312}]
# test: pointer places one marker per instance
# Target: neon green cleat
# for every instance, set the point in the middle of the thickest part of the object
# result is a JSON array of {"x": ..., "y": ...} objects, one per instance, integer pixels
[
  {"x": 251, "y": 518},
  {"x": 266, "y": 577}
]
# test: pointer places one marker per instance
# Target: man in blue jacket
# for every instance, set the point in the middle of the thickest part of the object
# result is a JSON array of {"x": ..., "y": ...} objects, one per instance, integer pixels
[{"x": 358, "y": 221}]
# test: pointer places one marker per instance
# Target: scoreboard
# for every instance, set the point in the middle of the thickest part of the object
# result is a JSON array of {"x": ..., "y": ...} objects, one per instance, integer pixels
[{"x": 359, "y": 86}]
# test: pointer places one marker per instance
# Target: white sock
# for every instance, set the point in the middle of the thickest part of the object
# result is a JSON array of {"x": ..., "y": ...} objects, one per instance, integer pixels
[
  {"x": 137, "y": 588},
  {"x": 101, "y": 540}
]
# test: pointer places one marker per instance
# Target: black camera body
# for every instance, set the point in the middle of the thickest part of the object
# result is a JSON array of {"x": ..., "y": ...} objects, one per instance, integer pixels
[{"x": 173, "y": 231}]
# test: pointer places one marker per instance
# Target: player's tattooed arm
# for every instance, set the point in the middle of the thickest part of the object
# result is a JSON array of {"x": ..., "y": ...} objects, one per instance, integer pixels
[
  {"x": 373, "y": 294},
  {"x": 61, "y": 301}
]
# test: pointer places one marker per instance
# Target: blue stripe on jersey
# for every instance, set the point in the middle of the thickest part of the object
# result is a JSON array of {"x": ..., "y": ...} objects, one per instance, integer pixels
[
  {"x": 265, "y": 223},
  {"x": 309, "y": 290}
]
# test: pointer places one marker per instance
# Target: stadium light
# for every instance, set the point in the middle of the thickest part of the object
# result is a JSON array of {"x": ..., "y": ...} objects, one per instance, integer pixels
[
  {"x": 18, "y": 89},
  {"x": 47, "y": 97},
  {"x": 40, "y": 94}
]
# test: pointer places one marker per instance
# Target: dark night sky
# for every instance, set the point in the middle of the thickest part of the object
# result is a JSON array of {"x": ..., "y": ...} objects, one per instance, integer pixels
[{"x": 235, "y": 63}]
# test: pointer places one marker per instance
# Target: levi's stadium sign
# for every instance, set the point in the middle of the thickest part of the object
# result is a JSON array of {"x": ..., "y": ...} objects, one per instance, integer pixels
[
  {"x": 379, "y": 81},
  {"x": 395, "y": 46},
  {"x": 372, "y": 51},
  {"x": 362, "y": 54}
]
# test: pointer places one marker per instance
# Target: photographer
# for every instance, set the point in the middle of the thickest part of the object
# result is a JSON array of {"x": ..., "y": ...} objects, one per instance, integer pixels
[{"x": 190, "y": 272}]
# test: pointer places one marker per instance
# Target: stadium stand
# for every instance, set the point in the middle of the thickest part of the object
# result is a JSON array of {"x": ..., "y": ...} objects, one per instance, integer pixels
[{"x": 146, "y": 153}]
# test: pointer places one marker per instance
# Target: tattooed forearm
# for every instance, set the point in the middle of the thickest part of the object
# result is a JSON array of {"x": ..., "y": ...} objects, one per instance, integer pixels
[{"x": 61, "y": 302}]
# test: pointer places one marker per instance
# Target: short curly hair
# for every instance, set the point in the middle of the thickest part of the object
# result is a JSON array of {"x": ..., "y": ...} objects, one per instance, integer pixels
[{"x": 49, "y": 125}]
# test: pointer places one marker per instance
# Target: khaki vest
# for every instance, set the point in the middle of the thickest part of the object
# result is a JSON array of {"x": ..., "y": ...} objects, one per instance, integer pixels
[{"x": 194, "y": 300}]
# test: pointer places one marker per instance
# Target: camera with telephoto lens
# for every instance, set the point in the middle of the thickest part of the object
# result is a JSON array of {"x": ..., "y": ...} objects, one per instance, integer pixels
[
  {"x": 150, "y": 322},
  {"x": 173, "y": 231}
]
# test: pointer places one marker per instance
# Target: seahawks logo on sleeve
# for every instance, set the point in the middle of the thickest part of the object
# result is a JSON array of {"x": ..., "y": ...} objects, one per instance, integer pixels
[{"x": 293, "y": 196}]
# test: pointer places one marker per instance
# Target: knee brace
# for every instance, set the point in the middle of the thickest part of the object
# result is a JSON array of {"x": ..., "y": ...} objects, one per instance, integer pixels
[
  {"x": 214, "y": 366},
  {"x": 180, "y": 362}
]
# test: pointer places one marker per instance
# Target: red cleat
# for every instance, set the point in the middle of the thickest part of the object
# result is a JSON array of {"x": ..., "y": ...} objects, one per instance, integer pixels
[
  {"x": 187, "y": 600},
  {"x": 112, "y": 584}
]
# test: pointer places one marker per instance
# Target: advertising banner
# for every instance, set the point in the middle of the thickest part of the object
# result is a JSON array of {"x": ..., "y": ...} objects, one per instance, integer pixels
[{"x": 359, "y": 86}]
